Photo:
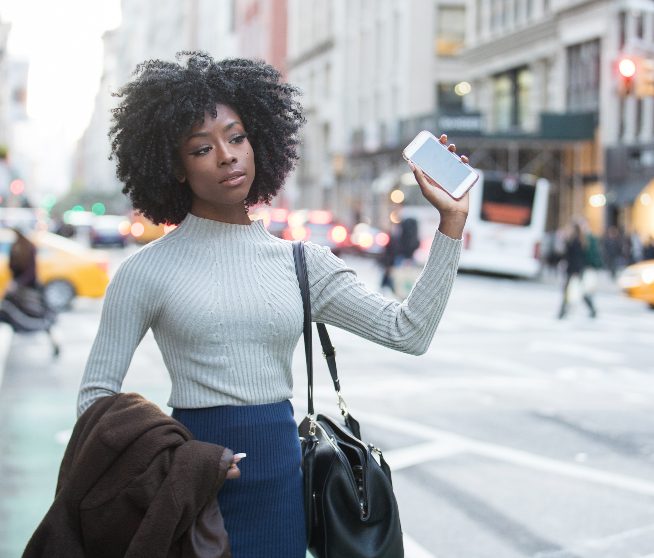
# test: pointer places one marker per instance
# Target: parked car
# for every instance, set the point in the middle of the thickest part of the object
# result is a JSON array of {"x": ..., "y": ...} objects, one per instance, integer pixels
[
  {"x": 109, "y": 230},
  {"x": 64, "y": 267},
  {"x": 368, "y": 240},
  {"x": 637, "y": 281},
  {"x": 317, "y": 226}
]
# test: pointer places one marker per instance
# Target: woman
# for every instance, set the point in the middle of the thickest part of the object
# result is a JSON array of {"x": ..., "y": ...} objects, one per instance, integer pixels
[
  {"x": 576, "y": 260},
  {"x": 197, "y": 143}
]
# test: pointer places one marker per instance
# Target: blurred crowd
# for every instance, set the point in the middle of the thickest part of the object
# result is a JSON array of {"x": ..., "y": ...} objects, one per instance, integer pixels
[{"x": 614, "y": 251}]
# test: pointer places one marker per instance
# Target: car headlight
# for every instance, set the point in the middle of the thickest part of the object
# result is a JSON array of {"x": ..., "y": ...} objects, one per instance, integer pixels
[{"x": 631, "y": 277}]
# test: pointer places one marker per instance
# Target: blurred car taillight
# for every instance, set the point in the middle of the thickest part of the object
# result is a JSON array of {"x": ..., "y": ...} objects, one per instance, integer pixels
[
  {"x": 338, "y": 234},
  {"x": 382, "y": 239},
  {"x": 124, "y": 227},
  {"x": 299, "y": 233}
]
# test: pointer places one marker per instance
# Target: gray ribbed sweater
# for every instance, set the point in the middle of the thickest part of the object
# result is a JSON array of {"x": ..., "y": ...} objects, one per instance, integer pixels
[{"x": 224, "y": 306}]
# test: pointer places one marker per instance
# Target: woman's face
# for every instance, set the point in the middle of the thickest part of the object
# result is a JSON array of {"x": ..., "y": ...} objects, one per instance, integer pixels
[{"x": 218, "y": 166}]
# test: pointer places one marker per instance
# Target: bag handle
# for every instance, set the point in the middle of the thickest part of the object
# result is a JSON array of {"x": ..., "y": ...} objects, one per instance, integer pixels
[{"x": 328, "y": 350}]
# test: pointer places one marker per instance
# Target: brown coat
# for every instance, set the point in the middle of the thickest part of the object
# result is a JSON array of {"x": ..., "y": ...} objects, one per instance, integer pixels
[{"x": 133, "y": 483}]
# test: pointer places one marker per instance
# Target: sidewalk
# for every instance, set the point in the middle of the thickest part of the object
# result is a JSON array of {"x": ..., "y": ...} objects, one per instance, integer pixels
[{"x": 6, "y": 334}]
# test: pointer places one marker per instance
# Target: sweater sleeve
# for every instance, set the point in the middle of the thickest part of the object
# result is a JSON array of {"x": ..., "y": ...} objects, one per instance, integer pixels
[
  {"x": 127, "y": 314},
  {"x": 339, "y": 298}
]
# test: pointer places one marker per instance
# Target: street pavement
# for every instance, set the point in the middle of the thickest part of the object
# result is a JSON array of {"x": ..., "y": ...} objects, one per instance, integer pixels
[{"x": 515, "y": 435}]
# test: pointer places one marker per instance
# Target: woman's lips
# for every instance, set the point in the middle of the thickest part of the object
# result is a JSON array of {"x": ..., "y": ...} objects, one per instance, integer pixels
[{"x": 234, "y": 180}]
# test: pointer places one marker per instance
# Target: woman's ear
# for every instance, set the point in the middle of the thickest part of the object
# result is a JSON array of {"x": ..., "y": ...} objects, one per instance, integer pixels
[{"x": 180, "y": 176}]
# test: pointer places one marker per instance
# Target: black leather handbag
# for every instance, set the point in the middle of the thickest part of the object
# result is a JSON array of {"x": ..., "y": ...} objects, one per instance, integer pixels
[{"x": 350, "y": 508}]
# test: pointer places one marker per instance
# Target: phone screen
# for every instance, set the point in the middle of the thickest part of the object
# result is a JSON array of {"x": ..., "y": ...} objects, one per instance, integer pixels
[{"x": 441, "y": 165}]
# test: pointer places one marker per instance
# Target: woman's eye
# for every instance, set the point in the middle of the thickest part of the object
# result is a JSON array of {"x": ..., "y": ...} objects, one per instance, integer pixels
[
  {"x": 201, "y": 151},
  {"x": 239, "y": 139}
]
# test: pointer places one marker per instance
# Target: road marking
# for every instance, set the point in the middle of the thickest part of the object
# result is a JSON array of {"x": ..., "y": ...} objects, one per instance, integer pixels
[
  {"x": 373, "y": 387},
  {"x": 402, "y": 458},
  {"x": 603, "y": 543},
  {"x": 486, "y": 362},
  {"x": 413, "y": 550},
  {"x": 591, "y": 353},
  {"x": 510, "y": 455}
]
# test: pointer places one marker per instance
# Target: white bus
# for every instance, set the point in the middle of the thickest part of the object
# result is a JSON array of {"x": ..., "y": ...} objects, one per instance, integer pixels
[{"x": 505, "y": 226}]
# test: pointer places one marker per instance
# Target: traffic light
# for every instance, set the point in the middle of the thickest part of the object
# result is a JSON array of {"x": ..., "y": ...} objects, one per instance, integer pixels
[{"x": 626, "y": 74}]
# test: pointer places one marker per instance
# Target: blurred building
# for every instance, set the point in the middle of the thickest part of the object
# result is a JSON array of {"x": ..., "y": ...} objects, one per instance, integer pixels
[
  {"x": 14, "y": 125},
  {"x": 551, "y": 101},
  {"x": 5, "y": 29},
  {"x": 364, "y": 68},
  {"x": 5, "y": 173},
  {"x": 522, "y": 86},
  {"x": 149, "y": 29},
  {"x": 260, "y": 27}
]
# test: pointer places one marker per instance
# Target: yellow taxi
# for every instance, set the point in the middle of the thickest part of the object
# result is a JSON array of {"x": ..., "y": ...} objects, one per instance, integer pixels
[
  {"x": 143, "y": 230},
  {"x": 637, "y": 281},
  {"x": 64, "y": 268}
]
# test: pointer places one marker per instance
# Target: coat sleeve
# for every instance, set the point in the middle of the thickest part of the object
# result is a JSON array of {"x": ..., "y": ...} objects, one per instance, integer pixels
[{"x": 339, "y": 298}]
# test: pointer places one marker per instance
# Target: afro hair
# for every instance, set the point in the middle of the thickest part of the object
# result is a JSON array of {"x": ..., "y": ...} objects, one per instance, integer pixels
[{"x": 164, "y": 100}]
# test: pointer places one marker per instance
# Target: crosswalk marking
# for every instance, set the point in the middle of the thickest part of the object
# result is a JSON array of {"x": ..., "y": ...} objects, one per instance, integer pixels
[
  {"x": 516, "y": 457},
  {"x": 402, "y": 458}
]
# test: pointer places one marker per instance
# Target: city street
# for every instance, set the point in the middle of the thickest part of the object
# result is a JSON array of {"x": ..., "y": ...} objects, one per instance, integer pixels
[{"x": 516, "y": 435}]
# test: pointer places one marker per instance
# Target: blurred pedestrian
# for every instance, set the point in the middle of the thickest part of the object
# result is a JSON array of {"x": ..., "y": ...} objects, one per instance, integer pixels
[
  {"x": 220, "y": 293},
  {"x": 387, "y": 261},
  {"x": 576, "y": 260},
  {"x": 408, "y": 241},
  {"x": 648, "y": 248},
  {"x": 399, "y": 252},
  {"x": 612, "y": 250},
  {"x": 24, "y": 306},
  {"x": 22, "y": 261}
]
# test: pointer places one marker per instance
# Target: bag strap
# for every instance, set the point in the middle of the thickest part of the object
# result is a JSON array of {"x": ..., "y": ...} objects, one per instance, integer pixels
[
  {"x": 328, "y": 350},
  {"x": 303, "y": 280}
]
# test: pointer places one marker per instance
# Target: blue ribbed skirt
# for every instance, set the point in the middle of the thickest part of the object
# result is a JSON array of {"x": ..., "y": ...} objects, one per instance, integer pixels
[{"x": 263, "y": 509}]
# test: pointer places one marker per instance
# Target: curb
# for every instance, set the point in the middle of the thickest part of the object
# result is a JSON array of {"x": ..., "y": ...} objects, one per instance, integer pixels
[{"x": 6, "y": 335}]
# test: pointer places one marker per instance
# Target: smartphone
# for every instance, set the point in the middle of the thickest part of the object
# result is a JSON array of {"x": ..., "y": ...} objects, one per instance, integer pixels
[{"x": 444, "y": 168}]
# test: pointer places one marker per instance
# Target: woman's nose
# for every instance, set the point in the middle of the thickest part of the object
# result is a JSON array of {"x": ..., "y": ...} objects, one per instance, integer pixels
[{"x": 226, "y": 156}]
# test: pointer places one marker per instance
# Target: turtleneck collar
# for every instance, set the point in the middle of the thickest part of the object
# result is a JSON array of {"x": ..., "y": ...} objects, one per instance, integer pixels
[{"x": 200, "y": 227}]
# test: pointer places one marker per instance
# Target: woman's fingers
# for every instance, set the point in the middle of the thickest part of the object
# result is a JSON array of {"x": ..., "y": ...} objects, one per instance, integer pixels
[{"x": 234, "y": 472}]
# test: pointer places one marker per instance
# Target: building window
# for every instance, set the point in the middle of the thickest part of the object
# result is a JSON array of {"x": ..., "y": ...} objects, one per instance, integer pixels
[
  {"x": 497, "y": 8},
  {"x": 583, "y": 76},
  {"x": 512, "y": 93},
  {"x": 450, "y": 30}
]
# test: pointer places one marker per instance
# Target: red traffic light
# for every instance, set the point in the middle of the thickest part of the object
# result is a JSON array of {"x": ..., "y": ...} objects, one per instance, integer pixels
[{"x": 627, "y": 67}]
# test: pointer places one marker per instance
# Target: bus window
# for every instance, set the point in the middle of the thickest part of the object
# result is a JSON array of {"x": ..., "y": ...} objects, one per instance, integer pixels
[{"x": 507, "y": 201}]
